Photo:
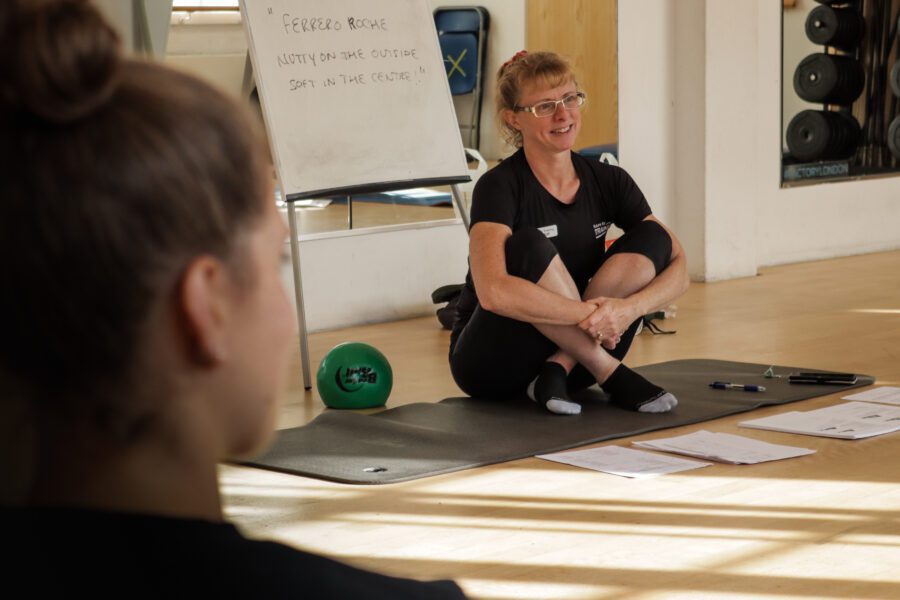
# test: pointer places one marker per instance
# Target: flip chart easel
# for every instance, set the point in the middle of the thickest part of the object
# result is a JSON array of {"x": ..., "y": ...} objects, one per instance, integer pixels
[{"x": 355, "y": 100}]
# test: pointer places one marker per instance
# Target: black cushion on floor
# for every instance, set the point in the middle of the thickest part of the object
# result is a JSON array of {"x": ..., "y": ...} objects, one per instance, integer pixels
[{"x": 422, "y": 439}]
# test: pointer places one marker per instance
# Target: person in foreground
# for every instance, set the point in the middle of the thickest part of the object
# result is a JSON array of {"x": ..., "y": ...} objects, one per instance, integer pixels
[
  {"x": 546, "y": 309},
  {"x": 144, "y": 323}
]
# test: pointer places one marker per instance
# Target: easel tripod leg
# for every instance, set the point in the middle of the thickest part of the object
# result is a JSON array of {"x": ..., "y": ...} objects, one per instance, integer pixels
[
  {"x": 298, "y": 295},
  {"x": 460, "y": 205}
]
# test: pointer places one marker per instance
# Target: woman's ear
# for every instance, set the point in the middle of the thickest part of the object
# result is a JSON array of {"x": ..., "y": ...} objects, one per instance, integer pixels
[
  {"x": 511, "y": 118},
  {"x": 203, "y": 303}
]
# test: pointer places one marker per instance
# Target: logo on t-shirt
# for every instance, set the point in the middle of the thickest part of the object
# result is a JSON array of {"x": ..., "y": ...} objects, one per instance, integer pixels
[
  {"x": 600, "y": 229},
  {"x": 550, "y": 231}
]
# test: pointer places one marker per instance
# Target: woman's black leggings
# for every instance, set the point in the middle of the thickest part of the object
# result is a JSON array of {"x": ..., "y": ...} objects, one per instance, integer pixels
[{"x": 495, "y": 356}]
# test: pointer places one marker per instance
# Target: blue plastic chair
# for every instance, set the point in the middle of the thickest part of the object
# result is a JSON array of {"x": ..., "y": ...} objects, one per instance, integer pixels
[
  {"x": 462, "y": 33},
  {"x": 460, "y": 52}
]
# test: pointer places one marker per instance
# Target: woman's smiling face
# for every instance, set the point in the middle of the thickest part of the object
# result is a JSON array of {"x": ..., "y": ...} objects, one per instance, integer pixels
[{"x": 554, "y": 133}]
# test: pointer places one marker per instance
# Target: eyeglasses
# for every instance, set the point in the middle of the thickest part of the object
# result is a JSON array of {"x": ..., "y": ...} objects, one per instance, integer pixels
[{"x": 548, "y": 107}]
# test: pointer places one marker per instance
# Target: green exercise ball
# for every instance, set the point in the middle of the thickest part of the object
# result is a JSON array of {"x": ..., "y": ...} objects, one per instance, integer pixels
[{"x": 354, "y": 375}]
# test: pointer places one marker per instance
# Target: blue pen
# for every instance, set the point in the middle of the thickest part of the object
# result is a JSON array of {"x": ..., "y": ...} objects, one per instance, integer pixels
[{"x": 724, "y": 385}]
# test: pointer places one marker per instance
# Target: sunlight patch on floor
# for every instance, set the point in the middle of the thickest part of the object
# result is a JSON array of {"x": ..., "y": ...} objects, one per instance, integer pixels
[
  {"x": 876, "y": 311},
  {"x": 504, "y": 590}
]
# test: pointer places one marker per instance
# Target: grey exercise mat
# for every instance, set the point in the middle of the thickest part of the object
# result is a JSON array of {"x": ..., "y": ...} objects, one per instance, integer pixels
[{"x": 423, "y": 439}]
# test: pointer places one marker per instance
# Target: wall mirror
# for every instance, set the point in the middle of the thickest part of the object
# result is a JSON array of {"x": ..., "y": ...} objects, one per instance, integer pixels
[{"x": 841, "y": 90}]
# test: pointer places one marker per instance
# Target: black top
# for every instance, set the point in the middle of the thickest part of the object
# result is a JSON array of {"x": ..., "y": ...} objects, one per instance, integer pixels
[
  {"x": 511, "y": 195},
  {"x": 86, "y": 553}
]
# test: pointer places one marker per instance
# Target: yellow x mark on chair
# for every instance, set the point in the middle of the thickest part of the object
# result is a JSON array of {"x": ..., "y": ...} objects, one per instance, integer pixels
[{"x": 454, "y": 64}]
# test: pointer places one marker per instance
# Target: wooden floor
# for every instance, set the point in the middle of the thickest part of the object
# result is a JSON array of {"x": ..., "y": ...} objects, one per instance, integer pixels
[{"x": 821, "y": 526}]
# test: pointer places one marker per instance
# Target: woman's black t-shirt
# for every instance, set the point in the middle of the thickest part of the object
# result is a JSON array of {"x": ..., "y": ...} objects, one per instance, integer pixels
[
  {"x": 511, "y": 195},
  {"x": 58, "y": 552}
]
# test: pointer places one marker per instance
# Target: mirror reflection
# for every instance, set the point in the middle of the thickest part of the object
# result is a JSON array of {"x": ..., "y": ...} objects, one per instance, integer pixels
[{"x": 841, "y": 90}]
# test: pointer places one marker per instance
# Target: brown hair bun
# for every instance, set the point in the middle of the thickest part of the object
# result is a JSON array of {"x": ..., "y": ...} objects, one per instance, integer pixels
[{"x": 62, "y": 58}]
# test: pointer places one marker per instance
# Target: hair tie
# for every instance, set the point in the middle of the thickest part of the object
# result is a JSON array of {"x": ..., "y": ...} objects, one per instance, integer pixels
[{"x": 515, "y": 57}]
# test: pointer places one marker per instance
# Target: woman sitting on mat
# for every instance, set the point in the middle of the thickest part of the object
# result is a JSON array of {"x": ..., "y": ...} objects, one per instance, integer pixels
[
  {"x": 546, "y": 309},
  {"x": 144, "y": 325}
]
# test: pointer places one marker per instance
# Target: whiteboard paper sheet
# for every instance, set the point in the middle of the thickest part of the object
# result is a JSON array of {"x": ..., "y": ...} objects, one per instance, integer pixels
[
  {"x": 882, "y": 395},
  {"x": 624, "y": 462},
  {"x": 849, "y": 421},
  {"x": 724, "y": 447}
]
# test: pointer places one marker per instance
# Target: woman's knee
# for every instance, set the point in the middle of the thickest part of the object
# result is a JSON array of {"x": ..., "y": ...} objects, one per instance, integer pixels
[
  {"x": 528, "y": 254},
  {"x": 649, "y": 239}
]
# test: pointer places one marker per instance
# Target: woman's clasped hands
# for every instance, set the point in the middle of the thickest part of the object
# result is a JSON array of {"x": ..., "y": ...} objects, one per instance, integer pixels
[{"x": 610, "y": 319}]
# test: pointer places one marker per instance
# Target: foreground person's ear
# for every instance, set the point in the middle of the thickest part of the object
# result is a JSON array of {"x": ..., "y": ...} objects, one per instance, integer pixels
[{"x": 203, "y": 305}]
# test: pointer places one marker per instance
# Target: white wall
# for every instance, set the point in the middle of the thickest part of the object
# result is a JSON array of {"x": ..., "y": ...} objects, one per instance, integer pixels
[
  {"x": 375, "y": 275},
  {"x": 731, "y": 136},
  {"x": 723, "y": 194},
  {"x": 646, "y": 99},
  {"x": 689, "y": 116},
  {"x": 662, "y": 113}
]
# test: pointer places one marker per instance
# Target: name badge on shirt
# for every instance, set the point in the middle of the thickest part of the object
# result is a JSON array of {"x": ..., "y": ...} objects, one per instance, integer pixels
[
  {"x": 550, "y": 231},
  {"x": 601, "y": 228}
]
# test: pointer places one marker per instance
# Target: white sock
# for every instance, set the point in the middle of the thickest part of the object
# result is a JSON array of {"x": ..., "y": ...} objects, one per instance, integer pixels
[{"x": 664, "y": 403}]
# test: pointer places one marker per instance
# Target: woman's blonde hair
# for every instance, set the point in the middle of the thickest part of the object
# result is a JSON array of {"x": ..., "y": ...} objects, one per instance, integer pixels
[{"x": 545, "y": 68}]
